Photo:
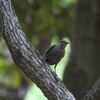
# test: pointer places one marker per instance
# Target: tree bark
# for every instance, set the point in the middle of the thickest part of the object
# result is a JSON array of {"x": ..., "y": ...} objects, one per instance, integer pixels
[
  {"x": 84, "y": 65},
  {"x": 94, "y": 93},
  {"x": 27, "y": 58}
]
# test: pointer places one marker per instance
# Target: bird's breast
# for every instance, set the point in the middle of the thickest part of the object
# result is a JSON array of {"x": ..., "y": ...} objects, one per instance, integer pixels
[{"x": 55, "y": 56}]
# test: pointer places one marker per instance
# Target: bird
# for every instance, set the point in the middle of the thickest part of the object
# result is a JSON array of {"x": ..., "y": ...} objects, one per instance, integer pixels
[{"x": 55, "y": 53}]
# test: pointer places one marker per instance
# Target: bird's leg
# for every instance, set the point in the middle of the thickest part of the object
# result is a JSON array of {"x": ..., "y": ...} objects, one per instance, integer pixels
[{"x": 55, "y": 67}]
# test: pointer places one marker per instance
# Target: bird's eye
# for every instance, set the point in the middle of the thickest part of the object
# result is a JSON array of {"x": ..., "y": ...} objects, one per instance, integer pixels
[{"x": 62, "y": 41}]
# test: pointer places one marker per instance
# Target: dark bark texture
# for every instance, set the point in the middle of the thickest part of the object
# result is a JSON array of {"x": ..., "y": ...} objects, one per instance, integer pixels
[
  {"x": 94, "y": 93},
  {"x": 84, "y": 65},
  {"x": 27, "y": 58}
]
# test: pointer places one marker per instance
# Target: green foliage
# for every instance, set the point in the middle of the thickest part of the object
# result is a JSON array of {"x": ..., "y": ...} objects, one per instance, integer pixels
[
  {"x": 9, "y": 74},
  {"x": 43, "y": 17}
]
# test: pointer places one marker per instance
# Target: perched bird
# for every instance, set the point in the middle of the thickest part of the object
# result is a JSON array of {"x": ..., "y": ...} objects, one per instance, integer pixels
[{"x": 55, "y": 53}]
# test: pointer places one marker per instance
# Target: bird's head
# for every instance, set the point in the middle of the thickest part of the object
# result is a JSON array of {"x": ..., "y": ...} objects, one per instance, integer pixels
[{"x": 63, "y": 44}]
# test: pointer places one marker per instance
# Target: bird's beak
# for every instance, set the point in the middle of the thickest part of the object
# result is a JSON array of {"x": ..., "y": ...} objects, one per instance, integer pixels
[{"x": 67, "y": 42}]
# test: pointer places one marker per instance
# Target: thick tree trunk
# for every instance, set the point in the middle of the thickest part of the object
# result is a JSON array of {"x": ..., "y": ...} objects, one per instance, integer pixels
[
  {"x": 27, "y": 58},
  {"x": 84, "y": 65}
]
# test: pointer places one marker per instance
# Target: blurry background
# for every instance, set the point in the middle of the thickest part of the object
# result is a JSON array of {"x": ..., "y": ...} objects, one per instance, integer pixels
[{"x": 45, "y": 23}]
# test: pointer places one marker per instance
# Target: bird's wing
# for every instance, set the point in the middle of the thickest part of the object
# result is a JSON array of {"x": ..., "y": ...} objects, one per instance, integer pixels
[{"x": 49, "y": 49}]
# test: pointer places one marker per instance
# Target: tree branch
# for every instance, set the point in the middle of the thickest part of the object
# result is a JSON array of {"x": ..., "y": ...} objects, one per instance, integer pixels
[
  {"x": 27, "y": 58},
  {"x": 94, "y": 93}
]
